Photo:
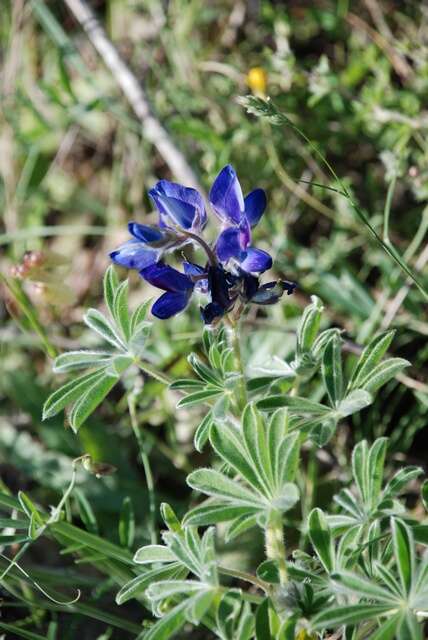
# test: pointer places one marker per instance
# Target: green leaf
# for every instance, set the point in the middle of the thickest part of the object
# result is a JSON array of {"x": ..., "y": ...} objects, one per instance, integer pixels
[
  {"x": 332, "y": 370},
  {"x": 364, "y": 588},
  {"x": 268, "y": 571},
  {"x": 267, "y": 621},
  {"x": 153, "y": 553},
  {"x": 355, "y": 401},
  {"x": 111, "y": 283},
  {"x": 19, "y": 631},
  {"x": 321, "y": 538},
  {"x": 212, "y": 512},
  {"x": 227, "y": 443},
  {"x": 352, "y": 614},
  {"x": 18, "y": 538},
  {"x": 388, "y": 629},
  {"x": 139, "y": 317},
  {"x": 215, "y": 484},
  {"x": 120, "y": 310},
  {"x": 301, "y": 406},
  {"x": 382, "y": 373},
  {"x": 73, "y": 360},
  {"x": 199, "y": 397},
  {"x": 370, "y": 357},
  {"x": 202, "y": 432},
  {"x": 288, "y": 459},
  {"x": 424, "y": 493},
  {"x": 400, "y": 480},
  {"x": 169, "y": 588},
  {"x": 198, "y": 606},
  {"x": 404, "y": 551},
  {"x": 376, "y": 463},
  {"x": 410, "y": 628},
  {"x": 241, "y": 524},
  {"x": 309, "y": 325},
  {"x": 70, "y": 392},
  {"x": 254, "y": 433},
  {"x": 137, "y": 585},
  {"x": 206, "y": 373},
  {"x": 360, "y": 470},
  {"x": 167, "y": 626},
  {"x": 95, "y": 320},
  {"x": 90, "y": 400},
  {"x": 322, "y": 432},
  {"x": 277, "y": 429},
  {"x": 127, "y": 524},
  {"x": 86, "y": 512},
  {"x": 96, "y": 543}
]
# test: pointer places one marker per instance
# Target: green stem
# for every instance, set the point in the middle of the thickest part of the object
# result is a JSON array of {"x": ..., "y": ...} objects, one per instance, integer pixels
[
  {"x": 154, "y": 373},
  {"x": 387, "y": 209},
  {"x": 146, "y": 466},
  {"x": 275, "y": 545},
  {"x": 246, "y": 577},
  {"x": 236, "y": 346}
]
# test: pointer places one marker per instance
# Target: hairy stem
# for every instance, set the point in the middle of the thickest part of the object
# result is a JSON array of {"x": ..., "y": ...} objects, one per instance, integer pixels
[
  {"x": 236, "y": 346},
  {"x": 146, "y": 466},
  {"x": 154, "y": 373},
  {"x": 246, "y": 577},
  {"x": 275, "y": 546}
]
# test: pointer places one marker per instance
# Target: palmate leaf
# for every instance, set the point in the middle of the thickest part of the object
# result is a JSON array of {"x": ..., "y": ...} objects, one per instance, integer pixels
[
  {"x": 404, "y": 551},
  {"x": 382, "y": 373},
  {"x": 337, "y": 616},
  {"x": 309, "y": 325},
  {"x": 140, "y": 583},
  {"x": 213, "y": 511},
  {"x": 216, "y": 484},
  {"x": 321, "y": 539},
  {"x": 127, "y": 334}
]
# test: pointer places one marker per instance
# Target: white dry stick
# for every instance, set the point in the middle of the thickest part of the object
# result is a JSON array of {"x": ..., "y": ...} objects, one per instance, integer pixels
[{"x": 153, "y": 131}]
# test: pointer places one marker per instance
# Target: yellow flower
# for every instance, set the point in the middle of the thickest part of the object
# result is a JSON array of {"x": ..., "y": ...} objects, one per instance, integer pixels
[
  {"x": 257, "y": 80},
  {"x": 305, "y": 635}
]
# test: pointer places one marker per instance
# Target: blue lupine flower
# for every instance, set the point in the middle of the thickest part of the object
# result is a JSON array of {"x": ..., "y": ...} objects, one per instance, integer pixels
[
  {"x": 238, "y": 215},
  {"x": 232, "y": 269}
]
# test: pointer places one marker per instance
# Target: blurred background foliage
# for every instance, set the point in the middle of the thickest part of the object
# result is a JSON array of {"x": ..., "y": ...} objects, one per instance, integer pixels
[{"x": 75, "y": 167}]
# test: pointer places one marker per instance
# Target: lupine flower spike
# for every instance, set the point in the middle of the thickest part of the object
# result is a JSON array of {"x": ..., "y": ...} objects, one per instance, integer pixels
[{"x": 232, "y": 267}]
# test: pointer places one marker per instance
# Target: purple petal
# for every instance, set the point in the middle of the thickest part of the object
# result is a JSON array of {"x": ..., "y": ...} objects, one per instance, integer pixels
[
  {"x": 256, "y": 261},
  {"x": 245, "y": 233},
  {"x": 134, "y": 255},
  {"x": 226, "y": 196},
  {"x": 165, "y": 277},
  {"x": 144, "y": 232},
  {"x": 255, "y": 205},
  {"x": 183, "y": 194},
  {"x": 170, "y": 303},
  {"x": 229, "y": 244}
]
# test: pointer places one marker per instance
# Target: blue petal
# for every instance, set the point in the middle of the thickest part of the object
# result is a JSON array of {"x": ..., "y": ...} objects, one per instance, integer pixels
[
  {"x": 144, "y": 232},
  {"x": 256, "y": 261},
  {"x": 212, "y": 312},
  {"x": 175, "y": 211},
  {"x": 226, "y": 195},
  {"x": 185, "y": 195},
  {"x": 255, "y": 205},
  {"x": 134, "y": 255},
  {"x": 170, "y": 303},
  {"x": 165, "y": 277},
  {"x": 191, "y": 269},
  {"x": 228, "y": 244}
]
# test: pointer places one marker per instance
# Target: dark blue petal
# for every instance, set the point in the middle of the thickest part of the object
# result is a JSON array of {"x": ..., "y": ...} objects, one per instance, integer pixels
[
  {"x": 255, "y": 205},
  {"x": 271, "y": 292},
  {"x": 175, "y": 212},
  {"x": 144, "y": 232},
  {"x": 220, "y": 286},
  {"x": 256, "y": 261},
  {"x": 170, "y": 303},
  {"x": 228, "y": 244},
  {"x": 134, "y": 255},
  {"x": 226, "y": 196},
  {"x": 186, "y": 195},
  {"x": 245, "y": 233},
  {"x": 165, "y": 277},
  {"x": 212, "y": 312}
]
